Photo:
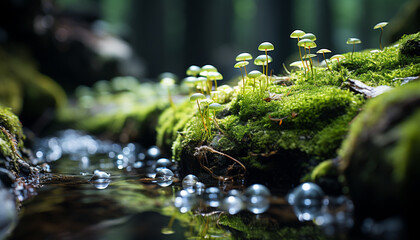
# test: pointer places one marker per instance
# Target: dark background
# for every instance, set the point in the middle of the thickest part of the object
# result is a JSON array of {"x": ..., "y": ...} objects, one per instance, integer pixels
[{"x": 82, "y": 41}]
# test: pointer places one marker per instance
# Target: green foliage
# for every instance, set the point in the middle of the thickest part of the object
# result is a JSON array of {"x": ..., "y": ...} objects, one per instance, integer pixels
[{"x": 10, "y": 122}]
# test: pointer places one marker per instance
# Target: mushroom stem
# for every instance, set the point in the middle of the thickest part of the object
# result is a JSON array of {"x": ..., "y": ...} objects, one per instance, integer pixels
[
  {"x": 326, "y": 62},
  {"x": 246, "y": 74},
  {"x": 300, "y": 54},
  {"x": 171, "y": 102},
  {"x": 243, "y": 81},
  {"x": 202, "y": 118},
  {"x": 310, "y": 60},
  {"x": 266, "y": 69},
  {"x": 380, "y": 38}
]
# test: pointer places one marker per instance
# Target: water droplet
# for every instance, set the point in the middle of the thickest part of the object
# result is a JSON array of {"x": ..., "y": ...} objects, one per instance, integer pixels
[
  {"x": 153, "y": 152},
  {"x": 164, "y": 177},
  {"x": 163, "y": 163},
  {"x": 199, "y": 188},
  {"x": 232, "y": 204},
  {"x": 212, "y": 196},
  {"x": 307, "y": 200},
  {"x": 189, "y": 181},
  {"x": 257, "y": 198},
  {"x": 185, "y": 201}
]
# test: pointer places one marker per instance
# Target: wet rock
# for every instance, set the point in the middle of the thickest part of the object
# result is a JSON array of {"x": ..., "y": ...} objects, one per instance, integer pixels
[
  {"x": 367, "y": 91},
  {"x": 380, "y": 158},
  {"x": 8, "y": 215},
  {"x": 6, "y": 178}
]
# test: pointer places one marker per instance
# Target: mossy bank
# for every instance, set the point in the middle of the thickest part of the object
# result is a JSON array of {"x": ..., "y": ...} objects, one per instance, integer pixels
[{"x": 281, "y": 130}]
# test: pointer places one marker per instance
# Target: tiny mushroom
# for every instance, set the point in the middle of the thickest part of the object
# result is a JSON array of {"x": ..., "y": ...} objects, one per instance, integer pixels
[
  {"x": 298, "y": 34},
  {"x": 168, "y": 80},
  {"x": 204, "y": 72},
  {"x": 353, "y": 41},
  {"x": 215, "y": 76},
  {"x": 239, "y": 65},
  {"x": 215, "y": 107},
  {"x": 193, "y": 70},
  {"x": 254, "y": 74},
  {"x": 380, "y": 25},
  {"x": 266, "y": 46},
  {"x": 196, "y": 97},
  {"x": 337, "y": 57},
  {"x": 323, "y": 51},
  {"x": 244, "y": 57}
]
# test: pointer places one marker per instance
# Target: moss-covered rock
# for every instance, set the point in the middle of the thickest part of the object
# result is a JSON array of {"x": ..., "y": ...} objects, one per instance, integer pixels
[
  {"x": 281, "y": 132},
  {"x": 381, "y": 156},
  {"x": 122, "y": 109},
  {"x": 24, "y": 89}
]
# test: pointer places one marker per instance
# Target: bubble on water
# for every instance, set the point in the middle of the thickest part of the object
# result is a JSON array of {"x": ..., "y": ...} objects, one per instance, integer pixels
[
  {"x": 163, "y": 163},
  {"x": 100, "y": 179},
  {"x": 164, "y": 177},
  {"x": 153, "y": 152},
  {"x": 257, "y": 198},
  {"x": 99, "y": 175},
  {"x": 306, "y": 194},
  {"x": 307, "y": 200},
  {"x": 138, "y": 164},
  {"x": 212, "y": 196},
  {"x": 185, "y": 201},
  {"x": 189, "y": 181},
  {"x": 199, "y": 188},
  {"x": 232, "y": 204}
]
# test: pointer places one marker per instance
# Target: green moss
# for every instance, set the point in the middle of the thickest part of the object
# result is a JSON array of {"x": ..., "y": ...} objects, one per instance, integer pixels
[
  {"x": 249, "y": 228},
  {"x": 315, "y": 113},
  {"x": 25, "y": 88},
  {"x": 10, "y": 122}
]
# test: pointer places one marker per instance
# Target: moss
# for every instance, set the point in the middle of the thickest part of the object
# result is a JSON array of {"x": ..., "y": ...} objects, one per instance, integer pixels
[
  {"x": 10, "y": 122},
  {"x": 122, "y": 109},
  {"x": 27, "y": 91},
  {"x": 247, "y": 227},
  {"x": 315, "y": 113}
]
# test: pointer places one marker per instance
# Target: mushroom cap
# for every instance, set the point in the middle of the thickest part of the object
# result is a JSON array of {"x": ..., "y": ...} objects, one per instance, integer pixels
[
  {"x": 380, "y": 25},
  {"x": 243, "y": 57},
  {"x": 167, "y": 81},
  {"x": 309, "y": 36},
  {"x": 262, "y": 59},
  {"x": 215, "y": 106},
  {"x": 167, "y": 75},
  {"x": 193, "y": 70},
  {"x": 306, "y": 43},
  {"x": 306, "y": 56},
  {"x": 353, "y": 41},
  {"x": 201, "y": 79},
  {"x": 337, "y": 56},
  {"x": 254, "y": 74},
  {"x": 297, "y": 34},
  {"x": 208, "y": 68},
  {"x": 323, "y": 50},
  {"x": 241, "y": 64},
  {"x": 197, "y": 96},
  {"x": 266, "y": 46},
  {"x": 190, "y": 80},
  {"x": 298, "y": 64},
  {"x": 214, "y": 76}
]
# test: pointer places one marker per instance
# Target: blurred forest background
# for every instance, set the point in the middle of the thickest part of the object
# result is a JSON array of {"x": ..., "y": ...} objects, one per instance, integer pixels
[{"x": 82, "y": 41}]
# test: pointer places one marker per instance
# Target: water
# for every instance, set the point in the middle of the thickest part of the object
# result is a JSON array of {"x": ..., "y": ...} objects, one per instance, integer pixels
[{"x": 101, "y": 190}]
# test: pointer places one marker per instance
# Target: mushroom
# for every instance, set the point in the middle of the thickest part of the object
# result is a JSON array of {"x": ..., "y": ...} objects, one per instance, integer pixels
[
  {"x": 353, "y": 41},
  {"x": 239, "y": 65},
  {"x": 254, "y": 74},
  {"x": 215, "y": 76},
  {"x": 215, "y": 107},
  {"x": 298, "y": 34},
  {"x": 323, "y": 51},
  {"x": 307, "y": 43},
  {"x": 196, "y": 97},
  {"x": 204, "y": 72},
  {"x": 168, "y": 80},
  {"x": 193, "y": 70},
  {"x": 337, "y": 57},
  {"x": 380, "y": 25},
  {"x": 266, "y": 46},
  {"x": 244, "y": 57}
]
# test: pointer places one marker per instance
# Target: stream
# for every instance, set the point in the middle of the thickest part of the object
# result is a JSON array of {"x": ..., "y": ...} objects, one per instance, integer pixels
[{"x": 95, "y": 189}]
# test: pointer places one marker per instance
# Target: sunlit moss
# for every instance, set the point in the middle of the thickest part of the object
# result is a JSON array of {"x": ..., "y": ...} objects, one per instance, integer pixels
[{"x": 10, "y": 122}]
